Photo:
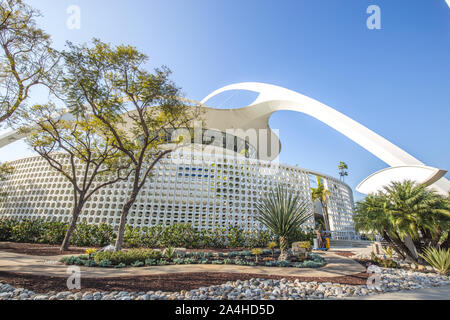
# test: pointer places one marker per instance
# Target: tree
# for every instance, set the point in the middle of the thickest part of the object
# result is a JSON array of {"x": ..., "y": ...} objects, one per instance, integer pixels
[
  {"x": 26, "y": 59},
  {"x": 342, "y": 170},
  {"x": 321, "y": 194},
  {"x": 5, "y": 170},
  {"x": 72, "y": 145},
  {"x": 408, "y": 216},
  {"x": 283, "y": 213},
  {"x": 139, "y": 109}
]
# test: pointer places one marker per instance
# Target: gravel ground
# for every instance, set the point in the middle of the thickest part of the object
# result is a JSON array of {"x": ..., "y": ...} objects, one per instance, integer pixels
[{"x": 390, "y": 280}]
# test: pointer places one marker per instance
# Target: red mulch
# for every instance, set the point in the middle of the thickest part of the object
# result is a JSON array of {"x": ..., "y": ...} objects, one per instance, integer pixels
[
  {"x": 166, "y": 282},
  {"x": 347, "y": 254},
  {"x": 38, "y": 249}
]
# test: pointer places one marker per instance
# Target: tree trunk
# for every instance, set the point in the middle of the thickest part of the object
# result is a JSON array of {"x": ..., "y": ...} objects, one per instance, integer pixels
[
  {"x": 393, "y": 244},
  {"x": 405, "y": 249},
  {"x": 123, "y": 221},
  {"x": 284, "y": 246},
  {"x": 73, "y": 223},
  {"x": 325, "y": 217}
]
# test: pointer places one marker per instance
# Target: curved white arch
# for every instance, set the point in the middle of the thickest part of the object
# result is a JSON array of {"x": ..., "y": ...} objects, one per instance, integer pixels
[{"x": 273, "y": 98}]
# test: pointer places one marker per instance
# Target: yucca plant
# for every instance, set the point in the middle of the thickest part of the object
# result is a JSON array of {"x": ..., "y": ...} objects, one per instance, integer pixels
[
  {"x": 439, "y": 259},
  {"x": 283, "y": 213}
]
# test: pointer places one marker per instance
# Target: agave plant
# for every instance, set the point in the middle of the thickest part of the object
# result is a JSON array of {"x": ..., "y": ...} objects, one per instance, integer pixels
[
  {"x": 439, "y": 259},
  {"x": 283, "y": 213},
  {"x": 169, "y": 252}
]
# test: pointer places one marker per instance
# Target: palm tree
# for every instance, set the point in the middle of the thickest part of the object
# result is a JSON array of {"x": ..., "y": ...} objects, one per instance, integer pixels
[
  {"x": 407, "y": 215},
  {"x": 283, "y": 213},
  {"x": 342, "y": 170},
  {"x": 322, "y": 194}
]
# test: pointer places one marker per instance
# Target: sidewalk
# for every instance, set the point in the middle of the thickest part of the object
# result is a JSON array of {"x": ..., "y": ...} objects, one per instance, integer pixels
[
  {"x": 436, "y": 293},
  {"x": 12, "y": 262}
]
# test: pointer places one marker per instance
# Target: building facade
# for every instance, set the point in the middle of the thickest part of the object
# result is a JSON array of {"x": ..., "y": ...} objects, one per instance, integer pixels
[{"x": 205, "y": 191}]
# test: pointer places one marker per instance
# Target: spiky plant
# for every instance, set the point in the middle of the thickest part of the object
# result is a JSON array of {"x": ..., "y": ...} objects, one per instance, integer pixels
[
  {"x": 169, "y": 252},
  {"x": 439, "y": 259},
  {"x": 283, "y": 212}
]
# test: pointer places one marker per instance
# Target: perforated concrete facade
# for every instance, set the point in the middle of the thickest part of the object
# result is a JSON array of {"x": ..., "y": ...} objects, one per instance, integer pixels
[{"x": 205, "y": 192}]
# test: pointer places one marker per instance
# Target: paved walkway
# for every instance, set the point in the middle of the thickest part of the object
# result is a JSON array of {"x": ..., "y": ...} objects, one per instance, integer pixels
[
  {"x": 436, "y": 293},
  {"x": 50, "y": 266}
]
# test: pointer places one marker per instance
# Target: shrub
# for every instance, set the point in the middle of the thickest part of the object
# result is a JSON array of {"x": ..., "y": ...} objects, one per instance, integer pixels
[
  {"x": 120, "y": 265},
  {"x": 283, "y": 264},
  {"x": 228, "y": 261},
  {"x": 312, "y": 264},
  {"x": 127, "y": 257},
  {"x": 151, "y": 262},
  {"x": 92, "y": 235},
  {"x": 53, "y": 232},
  {"x": 190, "y": 261},
  {"x": 137, "y": 264},
  {"x": 439, "y": 259},
  {"x": 178, "y": 261},
  {"x": 105, "y": 263},
  {"x": 6, "y": 226},
  {"x": 90, "y": 263},
  {"x": 26, "y": 231},
  {"x": 217, "y": 262},
  {"x": 162, "y": 262}
]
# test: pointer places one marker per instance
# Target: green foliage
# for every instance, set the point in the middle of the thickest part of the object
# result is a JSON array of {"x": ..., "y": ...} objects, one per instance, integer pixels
[
  {"x": 120, "y": 265},
  {"x": 53, "y": 232},
  {"x": 283, "y": 213},
  {"x": 405, "y": 210},
  {"x": 385, "y": 263},
  {"x": 105, "y": 263},
  {"x": 178, "y": 261},
  {"x": 137, "y": 264},
  {"x": 439, "y": 259},
  {"x": 127, "y": 256},
  {"x": 389, "y": 252},
  {"x": 27, "y": 231},
  {"x": 169, "y": 252},
  {"x": 151, "y": 262},
  {"x": 6, "y": 227},
  {"x": 190, "y": 261},
  {"x": 88, "y": 235},
  {"x": 90, "y": 263},
  {"x": 92, "y": 235},
  {"x": 228, "y": 261}
]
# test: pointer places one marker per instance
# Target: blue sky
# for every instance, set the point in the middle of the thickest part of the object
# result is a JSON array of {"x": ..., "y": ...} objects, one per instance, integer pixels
[{"x": 395, "y": 81}]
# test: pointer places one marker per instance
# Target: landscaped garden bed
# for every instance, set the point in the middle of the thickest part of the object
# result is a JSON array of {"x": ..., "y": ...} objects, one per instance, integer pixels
[{"x": 149, "y": 257}]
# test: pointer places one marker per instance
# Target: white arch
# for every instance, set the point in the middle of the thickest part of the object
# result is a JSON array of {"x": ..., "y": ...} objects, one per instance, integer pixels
[{"x": 273, "y": 98}]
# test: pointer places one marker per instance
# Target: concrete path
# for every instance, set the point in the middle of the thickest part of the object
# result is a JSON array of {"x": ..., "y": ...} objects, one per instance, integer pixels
[
  {"x": 436, "y": 293},
  {"x": 50, "y": 266}
]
